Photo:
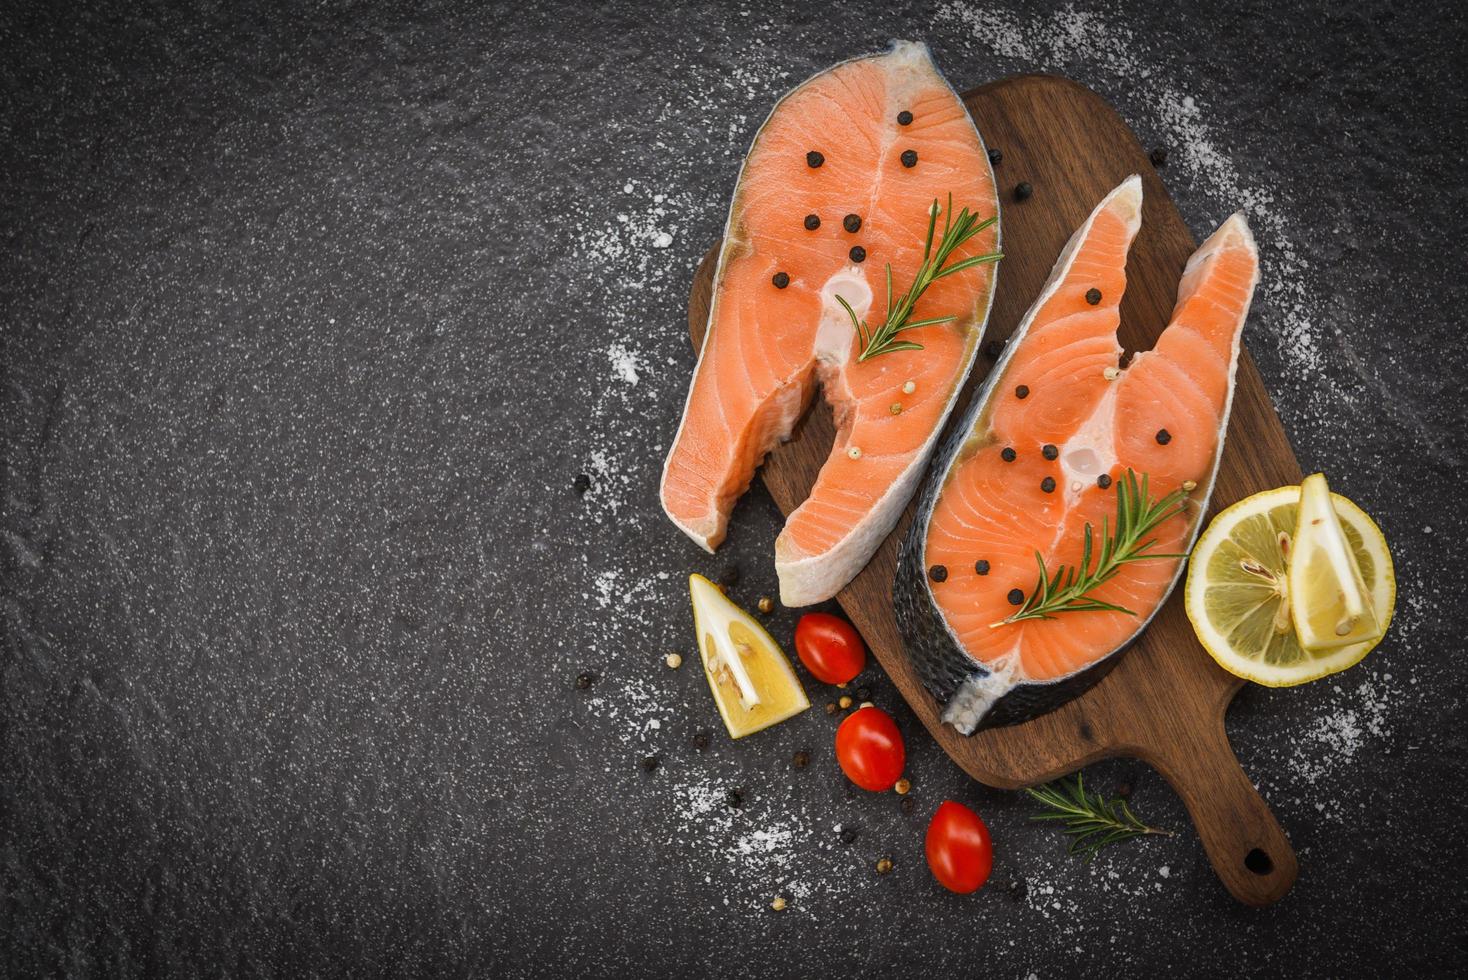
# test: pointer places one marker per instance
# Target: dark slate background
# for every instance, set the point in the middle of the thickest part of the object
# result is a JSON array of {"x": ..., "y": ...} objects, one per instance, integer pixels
[{"x": 308, "y": 322}]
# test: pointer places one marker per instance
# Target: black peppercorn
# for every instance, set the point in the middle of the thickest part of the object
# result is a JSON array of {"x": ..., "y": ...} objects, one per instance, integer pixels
[
  {"x": 909, "y": 158},
  {"x": 649, "y": 763},
  {"x": 780, "y": 279},
  {"x": 812, "y": 222},
  {"x": 938, "y": 573},
  {"x": 1008, "y": 454},
  {"x": 993, "y": 349},
  {"x": 1158, "y": 156},
  {"x": 584, "y": 680},
  {"x": 858, "y": 254},
  {"x": 907, "y": 804},
  {"x": 1048, "y": 484},
  {"x": 1093, "y": 296},
  {"x": 852, "y": 222},
  {"x": 1016, "y": 597},
  {"x": 1049, "y": 451},
  {"x": 848, "y": 835},
  {"x": 800, "y": 760},
  {"x": 981, "y": 566},
  {"x": 700, "y": 740},
  {"x": 1103, "y": 481},
  {"x": 814, "y": 159},
  {"x": 1022, "y": 391},
  {"x": 1163, "y": 437},
  {"x": 1022, "y": 191},
  {"x": 729, "y": 576},
  {"x": 995, "y": 156},
  {"x": 734, "y": 798},
  {"x": 581, "y": 484},
  {"x": 863, "y": 694},
  {"x": 904, "y": 118}
]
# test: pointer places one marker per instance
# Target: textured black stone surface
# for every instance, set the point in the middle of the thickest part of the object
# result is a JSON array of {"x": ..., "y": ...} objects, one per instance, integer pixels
[{"x": 310, "y": 318}]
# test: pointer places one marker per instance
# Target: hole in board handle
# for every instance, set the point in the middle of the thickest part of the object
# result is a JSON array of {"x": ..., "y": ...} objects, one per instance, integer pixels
[{"x": 1258, "y": 862}]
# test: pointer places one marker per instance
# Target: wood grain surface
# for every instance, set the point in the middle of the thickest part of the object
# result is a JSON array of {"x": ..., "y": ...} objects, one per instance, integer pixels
[{"x": 1165, "y": 702}]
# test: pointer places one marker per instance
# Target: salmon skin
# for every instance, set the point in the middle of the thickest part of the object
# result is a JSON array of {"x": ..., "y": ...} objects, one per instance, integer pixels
[
  {"x": 837, "y": 187},
  {"x": 1056, "y": 432}
]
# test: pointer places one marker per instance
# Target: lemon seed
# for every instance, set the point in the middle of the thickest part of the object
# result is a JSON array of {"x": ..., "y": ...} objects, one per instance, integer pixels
[{"x": 673, "y": 660}]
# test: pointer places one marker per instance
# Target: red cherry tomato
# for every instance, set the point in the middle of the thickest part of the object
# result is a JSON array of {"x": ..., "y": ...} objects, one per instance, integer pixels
[
  {"x": 870, "y": 750},
  {"x": 829, "y": 647},
  {"x": 960, "y": 851}
]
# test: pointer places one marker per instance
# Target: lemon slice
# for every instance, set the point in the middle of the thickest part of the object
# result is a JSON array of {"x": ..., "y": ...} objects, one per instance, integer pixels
[
  {"x": 1238, "y": 592},
  {"x": 753, "y": 684},
  {"x": 1328, "y": 599}
]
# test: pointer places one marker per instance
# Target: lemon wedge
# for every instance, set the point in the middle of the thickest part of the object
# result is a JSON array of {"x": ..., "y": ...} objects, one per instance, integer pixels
[
  {"x": 1238, "y": 592},
  {"x": 1329, "y": 601},
  {"x": 753, "y": 683}
]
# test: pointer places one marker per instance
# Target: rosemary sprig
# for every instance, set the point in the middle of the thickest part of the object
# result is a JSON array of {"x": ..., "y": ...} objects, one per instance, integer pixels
[
  {"x": 956, "y": 232},
  {"x": 1125, "y": 541},
  {"x": 1091, "y": 821}
]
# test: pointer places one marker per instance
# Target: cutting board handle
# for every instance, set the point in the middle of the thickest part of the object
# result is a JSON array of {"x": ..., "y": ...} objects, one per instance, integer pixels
[{"x": 1247, "y": 846}]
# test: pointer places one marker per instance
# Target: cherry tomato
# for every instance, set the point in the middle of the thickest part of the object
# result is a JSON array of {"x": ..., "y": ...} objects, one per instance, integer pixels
[
  {"x": 870, "y": 750},
  {"x": 829, "y": 647},
  {"x": 960, "y": 851}
]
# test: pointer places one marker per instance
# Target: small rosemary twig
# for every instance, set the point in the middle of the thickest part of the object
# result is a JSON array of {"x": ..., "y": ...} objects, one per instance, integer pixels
[
  {"x": 956, "y": 232},
  {"x": 1091, "y": 821},
  {"x": 1137, "y": 515}
]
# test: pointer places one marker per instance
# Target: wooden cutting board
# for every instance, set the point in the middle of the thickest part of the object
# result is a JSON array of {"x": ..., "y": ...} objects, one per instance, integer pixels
[{"x": 1165, "y": 702}]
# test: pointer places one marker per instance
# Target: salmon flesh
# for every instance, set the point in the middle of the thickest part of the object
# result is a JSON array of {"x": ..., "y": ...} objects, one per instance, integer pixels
[
  {"x": 1055, "y": 429},
  {"x": 837, "y": 186}
]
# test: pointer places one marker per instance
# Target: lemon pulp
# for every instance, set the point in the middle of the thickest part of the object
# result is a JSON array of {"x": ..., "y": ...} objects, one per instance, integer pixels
[
  {"x": 752, "y": 682},
  {"x": 1329, "y": 602},
  {"x": 1238, "y": 589}
]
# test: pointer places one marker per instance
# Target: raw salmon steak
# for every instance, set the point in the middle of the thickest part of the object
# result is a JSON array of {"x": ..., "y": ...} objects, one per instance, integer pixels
[
  {"x": 837, "y": 187},
  {"x": 1058, "y": 430}
]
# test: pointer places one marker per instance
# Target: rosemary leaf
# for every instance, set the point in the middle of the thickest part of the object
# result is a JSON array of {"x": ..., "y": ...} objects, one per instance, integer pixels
[
  {"x": 956, "y": 233},
  {"x": 1091, "y": 820},
  {"x": 1122, "y": 542}
]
